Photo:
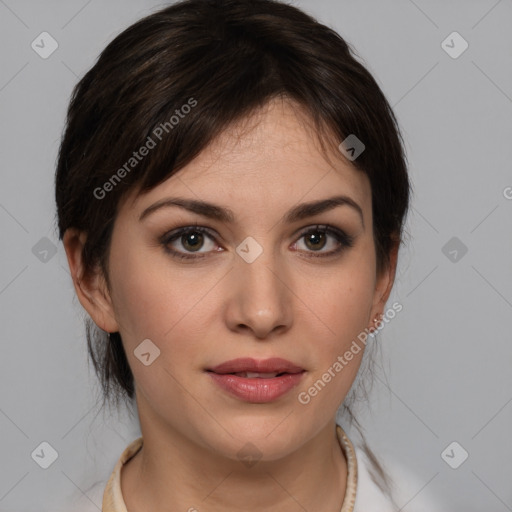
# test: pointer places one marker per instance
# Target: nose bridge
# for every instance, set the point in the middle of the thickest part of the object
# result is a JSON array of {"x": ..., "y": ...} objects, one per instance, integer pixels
[{"x": 261, "y": 299}]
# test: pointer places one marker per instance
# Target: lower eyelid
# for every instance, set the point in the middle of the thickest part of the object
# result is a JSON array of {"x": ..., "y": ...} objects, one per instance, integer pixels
[{"x": 344, "y": 240}]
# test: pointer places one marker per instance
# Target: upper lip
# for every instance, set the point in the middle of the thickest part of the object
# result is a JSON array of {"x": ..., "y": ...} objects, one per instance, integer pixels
[{"x": 247, "y": 364}]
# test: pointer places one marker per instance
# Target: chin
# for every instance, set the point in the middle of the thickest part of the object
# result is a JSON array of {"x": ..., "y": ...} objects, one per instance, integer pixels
[{"x": 270, "y": 436}]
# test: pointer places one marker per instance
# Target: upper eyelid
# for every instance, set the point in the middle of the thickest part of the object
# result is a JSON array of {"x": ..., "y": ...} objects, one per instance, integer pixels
[{"x": 177, "y": 232}]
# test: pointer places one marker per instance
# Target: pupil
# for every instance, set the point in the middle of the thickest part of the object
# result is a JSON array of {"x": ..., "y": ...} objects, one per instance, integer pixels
[
  {"x": 315, "y": 236},
  {"x": 194, "y": 236}
]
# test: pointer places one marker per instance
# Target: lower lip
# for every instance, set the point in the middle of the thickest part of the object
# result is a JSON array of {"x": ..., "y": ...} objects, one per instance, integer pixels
[{"x": 257, "y": 390}]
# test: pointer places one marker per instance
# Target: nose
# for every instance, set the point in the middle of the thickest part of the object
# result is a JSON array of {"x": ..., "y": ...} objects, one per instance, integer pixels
[{"x": 260, "y": 299}]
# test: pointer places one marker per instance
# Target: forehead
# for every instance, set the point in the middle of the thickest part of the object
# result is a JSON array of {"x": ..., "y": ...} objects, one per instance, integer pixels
[{"x": 272, "y": 156}]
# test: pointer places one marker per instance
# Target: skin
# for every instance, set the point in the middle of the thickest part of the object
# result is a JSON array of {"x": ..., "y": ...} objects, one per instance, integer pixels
[{"x": 203, "y": 312}]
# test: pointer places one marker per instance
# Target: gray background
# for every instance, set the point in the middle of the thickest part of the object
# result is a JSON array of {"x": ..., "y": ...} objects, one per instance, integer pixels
[{"x": 447, "y": 354}]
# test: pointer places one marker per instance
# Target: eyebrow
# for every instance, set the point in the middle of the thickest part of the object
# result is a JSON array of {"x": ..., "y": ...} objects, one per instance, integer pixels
[{"x": 219, "y": 213}]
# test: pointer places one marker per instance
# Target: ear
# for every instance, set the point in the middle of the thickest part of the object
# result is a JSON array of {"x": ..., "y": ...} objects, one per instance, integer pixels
[
  {"x": 91, "y": 287},
  {"x": 384, "y": 284}
]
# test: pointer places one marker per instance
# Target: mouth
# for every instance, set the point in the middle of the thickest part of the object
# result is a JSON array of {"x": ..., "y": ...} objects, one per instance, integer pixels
[{"x": 256, "y": 381}]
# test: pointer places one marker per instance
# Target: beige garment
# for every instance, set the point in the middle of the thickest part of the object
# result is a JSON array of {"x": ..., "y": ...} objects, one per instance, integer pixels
[{"x": 113, "y": 497}]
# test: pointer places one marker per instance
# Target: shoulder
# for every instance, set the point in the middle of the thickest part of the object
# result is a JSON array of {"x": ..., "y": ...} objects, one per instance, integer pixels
[
  {"x": 107, "y": 491},
  {"x": 406, "y": 488},
  {"x": 369, "y": 495}
]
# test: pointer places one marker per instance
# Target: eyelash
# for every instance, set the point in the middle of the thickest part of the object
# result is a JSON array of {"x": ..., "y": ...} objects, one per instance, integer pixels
[{"x": 346, "y": 241}]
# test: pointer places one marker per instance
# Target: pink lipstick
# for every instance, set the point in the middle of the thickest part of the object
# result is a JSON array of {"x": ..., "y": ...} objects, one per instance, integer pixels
[{"x": 257, "y": 381}]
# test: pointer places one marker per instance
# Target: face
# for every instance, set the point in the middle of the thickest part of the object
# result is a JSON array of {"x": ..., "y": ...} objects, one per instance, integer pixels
[{"x": 262, "y": 284}]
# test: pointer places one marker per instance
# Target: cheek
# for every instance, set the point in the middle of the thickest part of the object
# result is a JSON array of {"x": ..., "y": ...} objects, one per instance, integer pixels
[
  {"x": 342, "y": 304},
  {"x": 148, "y": 297},
  {"x": 340, "y": 309},
  {"x": 142, "y": 302},
  {"x": 152, "y": 304},
  {"x": 155, "y": 300}
]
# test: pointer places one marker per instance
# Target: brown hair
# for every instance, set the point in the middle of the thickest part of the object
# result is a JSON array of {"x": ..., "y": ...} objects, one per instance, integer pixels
[{"x": 230, "y": 57}]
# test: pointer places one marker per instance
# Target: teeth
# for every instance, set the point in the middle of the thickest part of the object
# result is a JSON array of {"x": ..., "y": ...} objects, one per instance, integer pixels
[{"x": 255, "y": 375}]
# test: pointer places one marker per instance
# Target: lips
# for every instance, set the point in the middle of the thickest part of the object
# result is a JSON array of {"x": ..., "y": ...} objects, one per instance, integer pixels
[
  {"x": 256, "y": 381},
  {"x": 252, "y": 368}
]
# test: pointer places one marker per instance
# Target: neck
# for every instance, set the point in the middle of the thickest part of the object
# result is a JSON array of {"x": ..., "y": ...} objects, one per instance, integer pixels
[{"x": 172, "y": 472}]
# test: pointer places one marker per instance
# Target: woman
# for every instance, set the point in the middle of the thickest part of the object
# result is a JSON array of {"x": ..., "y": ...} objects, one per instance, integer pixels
[{"x": 231, "y": 190}]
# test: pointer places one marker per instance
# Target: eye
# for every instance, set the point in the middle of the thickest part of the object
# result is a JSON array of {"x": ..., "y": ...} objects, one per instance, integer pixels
[
  {"x": 316, "y": 239},
  {"x": 192, "y": 239}
]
